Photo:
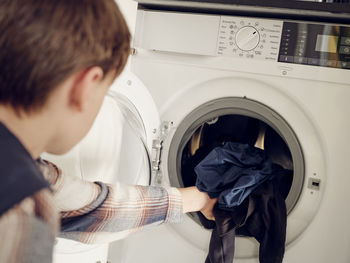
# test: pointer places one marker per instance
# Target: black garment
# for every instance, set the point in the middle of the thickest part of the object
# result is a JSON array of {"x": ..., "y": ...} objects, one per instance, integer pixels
[
  {"x": 222, "y": 242},
  {"x": 19, "y": 173},
  {"x": 262, "y": 216}
]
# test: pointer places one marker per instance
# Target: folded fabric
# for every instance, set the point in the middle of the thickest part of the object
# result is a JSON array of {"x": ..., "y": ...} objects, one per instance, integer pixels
[{"x": 233, "y": 171}]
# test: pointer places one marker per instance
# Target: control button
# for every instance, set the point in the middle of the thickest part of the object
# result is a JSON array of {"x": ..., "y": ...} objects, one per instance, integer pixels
[
  {"x": 300, "y": 60},
  {"x": 313, "y": 61},
  {"x": 289, "y": 59},
  {"x": 344, "y": 50},
  {"x": 344, "y": 64},
  {"x": 345, "y": 41}
]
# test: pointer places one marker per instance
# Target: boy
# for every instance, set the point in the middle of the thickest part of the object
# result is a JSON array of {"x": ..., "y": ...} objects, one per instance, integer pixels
[{"x": 57, "y": 60}]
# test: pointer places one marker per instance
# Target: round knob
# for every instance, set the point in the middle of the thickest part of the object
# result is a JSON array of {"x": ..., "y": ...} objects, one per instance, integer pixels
[{"x": 247, "y": 38}]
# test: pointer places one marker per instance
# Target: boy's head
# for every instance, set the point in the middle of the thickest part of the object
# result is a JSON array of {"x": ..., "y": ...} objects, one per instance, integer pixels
[{"x": 60, "y": 56}]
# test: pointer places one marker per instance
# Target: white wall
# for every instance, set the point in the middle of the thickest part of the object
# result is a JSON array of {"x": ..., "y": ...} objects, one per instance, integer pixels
[{"x": 128, "y": 8}]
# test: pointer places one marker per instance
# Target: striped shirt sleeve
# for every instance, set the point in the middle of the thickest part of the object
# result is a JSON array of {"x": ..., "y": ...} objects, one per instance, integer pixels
[
  {"x": 98, "y": 212},
  {"x": 28, "y": 230}
]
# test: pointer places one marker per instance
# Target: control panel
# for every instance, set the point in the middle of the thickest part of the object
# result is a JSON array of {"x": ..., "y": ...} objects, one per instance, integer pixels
[
  {"x": 315, "y": 44},
  {"x": 304, "y": 43},
  {"x": 249, "y": 38}
]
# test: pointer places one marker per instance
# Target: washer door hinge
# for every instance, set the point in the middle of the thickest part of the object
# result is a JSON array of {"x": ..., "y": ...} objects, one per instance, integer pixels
[{"x": 157, "y": 145}]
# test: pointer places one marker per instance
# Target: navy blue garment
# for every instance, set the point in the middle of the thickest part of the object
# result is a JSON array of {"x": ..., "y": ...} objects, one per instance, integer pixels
[
  {"x": 232, "y": 172},
  {"x": 20, "y": 175}
]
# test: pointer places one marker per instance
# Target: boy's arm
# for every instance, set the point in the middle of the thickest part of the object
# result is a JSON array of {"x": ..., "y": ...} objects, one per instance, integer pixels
[{"x": 98, "y": 212}]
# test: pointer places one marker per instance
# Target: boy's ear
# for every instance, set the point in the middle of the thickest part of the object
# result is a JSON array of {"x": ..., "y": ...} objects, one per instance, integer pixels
[{"x": 84, "y": 82}]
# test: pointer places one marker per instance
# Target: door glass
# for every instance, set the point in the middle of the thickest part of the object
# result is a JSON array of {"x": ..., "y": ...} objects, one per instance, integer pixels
[{"x": 115, "y": 149}]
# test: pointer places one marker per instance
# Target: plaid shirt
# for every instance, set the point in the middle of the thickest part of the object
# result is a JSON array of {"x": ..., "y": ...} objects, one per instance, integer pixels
[{"x": 90, "y": 213}]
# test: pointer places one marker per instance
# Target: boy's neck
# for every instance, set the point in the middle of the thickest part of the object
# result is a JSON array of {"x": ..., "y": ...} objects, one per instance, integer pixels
[{"x": 34, "y": 131}]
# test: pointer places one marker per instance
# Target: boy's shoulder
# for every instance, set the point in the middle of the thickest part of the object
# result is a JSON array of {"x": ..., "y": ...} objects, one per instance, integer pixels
[{"x": 19, "y": 173}]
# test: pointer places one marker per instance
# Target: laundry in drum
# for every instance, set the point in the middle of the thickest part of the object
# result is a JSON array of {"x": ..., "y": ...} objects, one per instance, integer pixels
[
  {"x": 233, "y": 171},
  {"x": 248, "y": 166}
]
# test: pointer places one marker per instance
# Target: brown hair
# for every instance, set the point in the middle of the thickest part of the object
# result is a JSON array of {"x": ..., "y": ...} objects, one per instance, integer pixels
[{"x": 43, "y": 42}]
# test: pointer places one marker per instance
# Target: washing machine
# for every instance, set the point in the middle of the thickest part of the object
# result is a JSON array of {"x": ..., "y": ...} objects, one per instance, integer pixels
[
  {"x": 223, "y": 71},
  {"x": 203, "y": 71}
]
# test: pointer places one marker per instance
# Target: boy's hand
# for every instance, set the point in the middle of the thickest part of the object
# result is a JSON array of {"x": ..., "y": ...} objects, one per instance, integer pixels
[
  {"x": 207, "y": 210},
  {"x": 194, "y": 200}
]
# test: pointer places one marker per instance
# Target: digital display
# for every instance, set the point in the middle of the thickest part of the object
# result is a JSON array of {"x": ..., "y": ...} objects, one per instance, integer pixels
[
  {"x": 326, "y": 43},
  {"x": 315, "y": 45}
]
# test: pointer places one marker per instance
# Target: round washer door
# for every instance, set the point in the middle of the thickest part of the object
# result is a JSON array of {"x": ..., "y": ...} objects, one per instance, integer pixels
[
  {"x": 186, "y": 111},
  {"x": 115, "y": 149}
]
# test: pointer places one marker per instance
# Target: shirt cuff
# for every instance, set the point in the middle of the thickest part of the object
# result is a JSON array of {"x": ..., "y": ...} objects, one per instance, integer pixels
[{"x": 175, "y": 212}]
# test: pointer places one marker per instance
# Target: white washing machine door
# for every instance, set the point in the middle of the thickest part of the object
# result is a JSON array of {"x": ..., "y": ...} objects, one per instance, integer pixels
[{"x": 116, "y": 149}]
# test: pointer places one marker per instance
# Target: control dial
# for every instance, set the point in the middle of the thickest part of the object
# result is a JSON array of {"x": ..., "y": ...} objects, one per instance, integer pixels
[{"x": 247, "y": 38}]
